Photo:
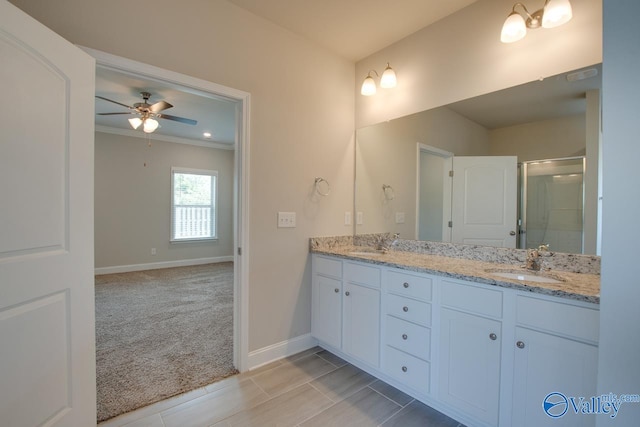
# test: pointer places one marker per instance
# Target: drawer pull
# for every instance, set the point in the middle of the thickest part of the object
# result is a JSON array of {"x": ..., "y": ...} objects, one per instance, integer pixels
[
  {"x": 493, "y": 336},
  {"x": 336, "y": 290},
  {"x": 405, "y": 308},
  {"x": 405, "y": 336},
  {"x": 406, "y": 285},
  {"x": 520, "y": 344},
  {"x": 404, "y": 369},
  {"x": 347, "y": 293}
]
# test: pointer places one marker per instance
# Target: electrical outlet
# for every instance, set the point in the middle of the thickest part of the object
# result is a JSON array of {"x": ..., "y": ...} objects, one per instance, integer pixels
[
  {"x": 153, "y": 251},
  {"x": 399, "y": 217},
  {"x": 347, "y": 218},
  {"x": 286, "y": 219}
]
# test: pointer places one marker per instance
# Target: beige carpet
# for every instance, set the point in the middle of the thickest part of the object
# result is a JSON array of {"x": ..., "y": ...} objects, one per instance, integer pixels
[{"x": 160, "y": 333}]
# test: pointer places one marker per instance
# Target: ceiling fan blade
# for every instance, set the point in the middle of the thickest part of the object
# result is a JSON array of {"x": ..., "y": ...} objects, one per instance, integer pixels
[
  {"x": 178, "y": 119},
  {"x": 112, "y": 114},
  {"x": 115, "y": 102},
  {"x": 159, "y": 106}
]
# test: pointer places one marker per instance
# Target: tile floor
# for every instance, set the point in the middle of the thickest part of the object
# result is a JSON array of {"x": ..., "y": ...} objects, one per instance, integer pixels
[{"x": 312, "y": 388}]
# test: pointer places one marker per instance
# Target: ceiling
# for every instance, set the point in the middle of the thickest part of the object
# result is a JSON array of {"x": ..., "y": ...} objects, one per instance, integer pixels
[{"x": 353, "y": 29}]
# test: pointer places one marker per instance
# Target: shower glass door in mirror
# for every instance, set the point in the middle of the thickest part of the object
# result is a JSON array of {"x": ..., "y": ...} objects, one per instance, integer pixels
[{"x": 552, "y": 204}]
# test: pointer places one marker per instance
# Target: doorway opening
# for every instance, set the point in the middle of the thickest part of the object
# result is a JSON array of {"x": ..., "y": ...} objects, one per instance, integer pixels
[{"x": 236, "y": 181}]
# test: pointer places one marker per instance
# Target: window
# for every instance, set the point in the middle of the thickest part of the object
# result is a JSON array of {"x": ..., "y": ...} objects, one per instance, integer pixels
[{"x": 193, "y": 204}]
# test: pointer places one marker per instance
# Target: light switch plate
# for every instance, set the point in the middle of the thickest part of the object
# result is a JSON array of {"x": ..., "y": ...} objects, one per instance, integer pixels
[
  {"x": 347, "y": 218},
  {"x": 286, "y": 219},
  {"x": 359, "y": 218},
  {"x": 399, "y": 217}
]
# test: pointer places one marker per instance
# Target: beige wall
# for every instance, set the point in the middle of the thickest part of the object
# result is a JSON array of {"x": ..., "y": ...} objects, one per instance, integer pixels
[
  {"x": 133, "y": 200},
  {"x": 547, "y": 139},
  {"x": 386, "y": 153},
  {"x": 298, "y": 130},
  {"x": 461, "y": 56}
]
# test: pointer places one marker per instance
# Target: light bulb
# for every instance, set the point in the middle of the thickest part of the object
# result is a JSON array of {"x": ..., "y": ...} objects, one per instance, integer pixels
[
  {"x": 150, "y": 125},
  {"x": 514, "y": 28},
  {"x": 368, "y": 86},
  {"x": 388, "y": 78},
  {"x": 135, "y": 122},
  {"x": 556, "y": 13}
]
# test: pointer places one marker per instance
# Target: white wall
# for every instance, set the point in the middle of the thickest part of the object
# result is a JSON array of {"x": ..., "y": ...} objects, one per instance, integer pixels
[
  {"x": 547, "y": 139},
  {"x": 618, "y": 367},
  {"x": 298, "y": 130},
  {"x": 133, "y": 200},
  {"x": 461, "y": 56}
]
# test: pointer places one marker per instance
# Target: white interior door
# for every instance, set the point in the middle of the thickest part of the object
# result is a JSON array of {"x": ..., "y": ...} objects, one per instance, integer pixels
[
  {"x": 484, "y": 201},
  {"x": 47, "y": 335}
]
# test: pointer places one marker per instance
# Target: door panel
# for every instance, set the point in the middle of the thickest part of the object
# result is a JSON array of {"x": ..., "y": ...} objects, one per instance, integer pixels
[
  {"x": 484, "y": 200},
  {"x": 47, "y": 356}
]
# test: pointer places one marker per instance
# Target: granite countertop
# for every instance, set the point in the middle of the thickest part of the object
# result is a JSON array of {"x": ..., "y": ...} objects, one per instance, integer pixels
[{"x": 576, "y": 286}]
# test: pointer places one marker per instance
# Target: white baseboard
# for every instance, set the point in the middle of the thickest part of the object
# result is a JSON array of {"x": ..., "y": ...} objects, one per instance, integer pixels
[
  {"x": 279, "y": 350},
  {"x": 158, "y": 265}
]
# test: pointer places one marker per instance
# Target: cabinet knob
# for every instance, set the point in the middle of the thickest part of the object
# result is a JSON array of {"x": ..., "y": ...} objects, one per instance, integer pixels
[
  {"x": 404, "y": 369},
  {"x": 405, "y": 284},
  {"x": 405, "y": 308},
  {"x": 493, "y": 336},
  {"x": 347, "y": 293},
  {"x": 520, "y": 344},
  {"x": 336, "y": 290},
  {"x": 405, "y": 336}
]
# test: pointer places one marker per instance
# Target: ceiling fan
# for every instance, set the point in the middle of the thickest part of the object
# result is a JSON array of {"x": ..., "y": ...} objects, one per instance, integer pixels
[{"x": 146, "y": 113}]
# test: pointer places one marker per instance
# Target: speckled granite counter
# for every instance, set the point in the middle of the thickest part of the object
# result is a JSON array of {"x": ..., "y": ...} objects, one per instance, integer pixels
[{"x": 574, "y": 285}]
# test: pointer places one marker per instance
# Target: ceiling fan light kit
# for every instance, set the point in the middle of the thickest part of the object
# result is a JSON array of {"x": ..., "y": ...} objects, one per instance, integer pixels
[{"x": 147, "y": 113}]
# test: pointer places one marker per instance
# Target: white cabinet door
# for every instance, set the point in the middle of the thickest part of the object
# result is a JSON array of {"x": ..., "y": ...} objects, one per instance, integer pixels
[
  {"x": 549, "y": 364},
  {"x": 361, "y": 333},
  {"x": 327, "y": 310},
  {"x": 470, "y": 364},
  {"x": 47, "y": 334}
]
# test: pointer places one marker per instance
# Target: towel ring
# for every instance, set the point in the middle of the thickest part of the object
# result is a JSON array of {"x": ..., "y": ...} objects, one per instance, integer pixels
[
  {"x": 322, "y": 186},
  {"x": 389, "y": 194}
]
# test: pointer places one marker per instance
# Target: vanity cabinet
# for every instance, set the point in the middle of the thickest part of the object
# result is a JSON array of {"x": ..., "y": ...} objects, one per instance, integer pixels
[
  {"x": 470, "y": 349},
  {"x": 346, "y": 307},
  {"x": 556, "y": 352},
  {"x": 484, "y": 355},
  {"x": 326, "y": 299},
  {"x": 407, "y": 329}
]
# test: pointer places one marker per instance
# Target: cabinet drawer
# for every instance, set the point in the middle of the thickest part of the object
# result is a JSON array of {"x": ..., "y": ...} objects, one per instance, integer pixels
[
  {"x": 472, "y": 298},
  {"x": 409, "y": 309},
  {"x": 408, "y": 337},
  {"x": 407, "y": 369},
  {"x": 328, "y": 267},
  {"x": 413, "y": 286},
  {"x": 363, "y": 274},
  {"x": 566, "y": 319}
]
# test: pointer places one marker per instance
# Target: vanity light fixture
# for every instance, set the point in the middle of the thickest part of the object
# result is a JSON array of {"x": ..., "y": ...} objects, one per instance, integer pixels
[
  {"x": 553, "y": 14},
  {"x": 388, "y": 80}
]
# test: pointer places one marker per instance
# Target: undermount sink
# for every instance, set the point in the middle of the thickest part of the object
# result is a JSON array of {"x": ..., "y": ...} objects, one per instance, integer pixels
[{"x": 529, "y": 276}]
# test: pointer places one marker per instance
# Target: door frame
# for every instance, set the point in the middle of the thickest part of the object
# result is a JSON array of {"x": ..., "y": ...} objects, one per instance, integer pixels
[
  {"x": 434, "y": 151},
  {"x": 241, "y": 181}
]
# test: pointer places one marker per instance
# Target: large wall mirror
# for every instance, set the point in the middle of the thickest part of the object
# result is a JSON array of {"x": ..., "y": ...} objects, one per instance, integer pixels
[{"x": 545, "y": 138}]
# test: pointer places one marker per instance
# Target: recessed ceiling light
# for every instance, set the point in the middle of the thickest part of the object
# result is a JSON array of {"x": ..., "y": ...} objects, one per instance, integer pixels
[{"x": 207, "y": 135}]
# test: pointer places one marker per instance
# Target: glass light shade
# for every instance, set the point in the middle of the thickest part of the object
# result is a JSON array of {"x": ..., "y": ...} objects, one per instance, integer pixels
[
  {"x": 388, "y": 78},
  {"x": 135, "y": 122},
  {"x": 514, "y": 28},
  {"x": 150, "y": 125},
  {"x": 556, "y": 13},
  {"x": 368, "y": 86}
]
